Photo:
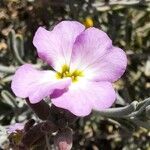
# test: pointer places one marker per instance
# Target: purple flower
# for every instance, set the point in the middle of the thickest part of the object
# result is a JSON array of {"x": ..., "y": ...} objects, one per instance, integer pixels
[
  {"x": 85, "y": 64},
  {"x": 15, "y": 127}
]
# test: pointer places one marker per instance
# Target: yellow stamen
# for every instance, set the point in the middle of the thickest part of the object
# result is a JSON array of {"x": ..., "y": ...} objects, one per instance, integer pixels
[
  {"x": 65, "y": 72},
  {"x": 88, "y": 22}
]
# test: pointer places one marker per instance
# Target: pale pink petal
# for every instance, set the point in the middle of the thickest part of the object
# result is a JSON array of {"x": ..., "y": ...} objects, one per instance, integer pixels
[
  {"x": 14, "y": 127},
  {"x": 36, "y": 84},
  {"x": 109, "y": 68},
  {"x": 90, "y": 45},
  {"x": 55, "y": 46},
  {"x": 82, "y": 97}
]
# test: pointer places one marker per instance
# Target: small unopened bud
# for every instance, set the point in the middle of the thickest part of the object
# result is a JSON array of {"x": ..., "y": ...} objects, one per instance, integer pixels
[
  {"x": 63, "y": 139},
  {"x": 49, "y": 126},
  {"x": 29, "y": 124},
  {"x": 41, "y": 109},
  {"x": 32, "y": 135}
]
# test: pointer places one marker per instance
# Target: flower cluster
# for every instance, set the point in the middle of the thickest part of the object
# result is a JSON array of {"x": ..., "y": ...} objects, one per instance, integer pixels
[{"x": 85, "y": 65}]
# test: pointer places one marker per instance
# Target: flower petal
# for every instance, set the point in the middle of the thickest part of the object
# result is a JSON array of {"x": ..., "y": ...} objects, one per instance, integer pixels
[
  {"x": 82, "y": 97},
  {"x": 14, "y": 127},
  {"x": 89, "y": 46},
  {"x": 55, "y": 46},
  {"x": 109, "y": 68},
  {"x": 36, "y": 84}
]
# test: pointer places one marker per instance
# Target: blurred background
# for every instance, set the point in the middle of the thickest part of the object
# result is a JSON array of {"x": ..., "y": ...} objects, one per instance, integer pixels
[{"x": 127, "y": 22}]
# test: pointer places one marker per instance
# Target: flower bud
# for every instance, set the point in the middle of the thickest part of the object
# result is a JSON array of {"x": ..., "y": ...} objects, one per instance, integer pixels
[{"x": 63, "y": 139}]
